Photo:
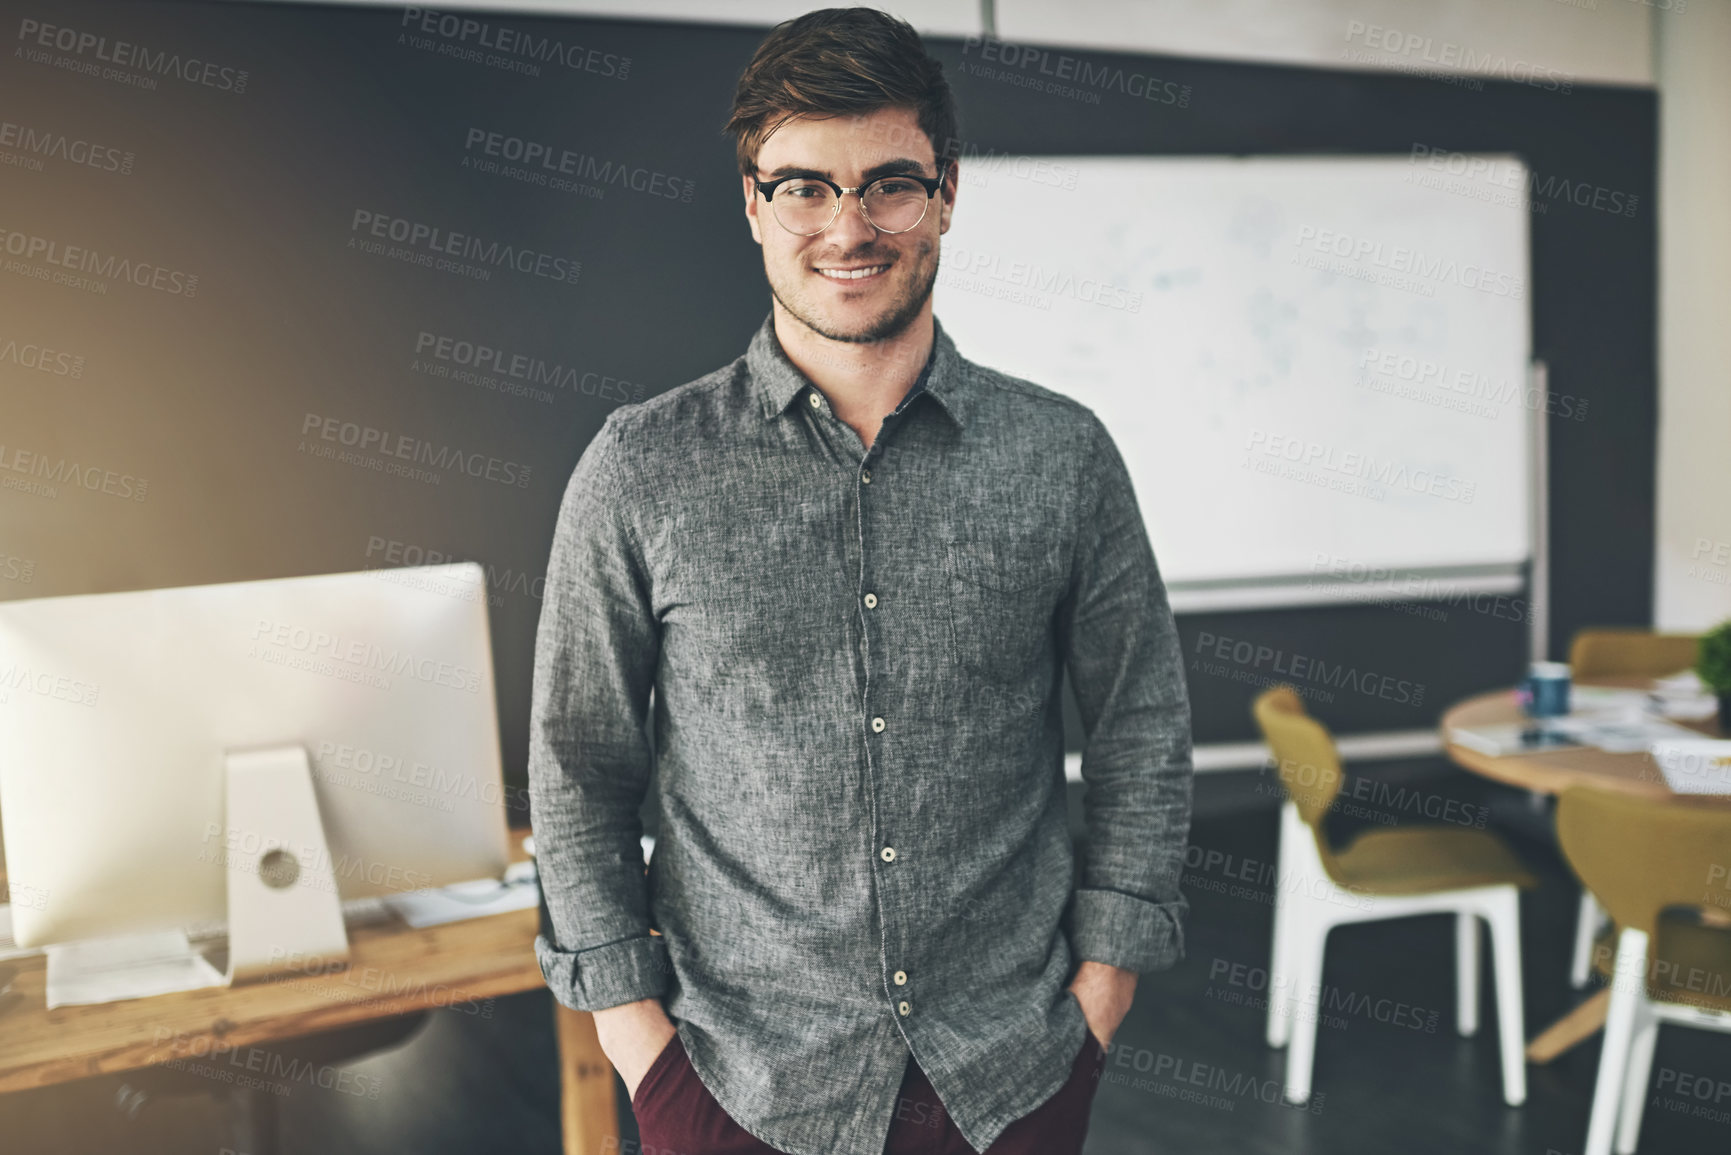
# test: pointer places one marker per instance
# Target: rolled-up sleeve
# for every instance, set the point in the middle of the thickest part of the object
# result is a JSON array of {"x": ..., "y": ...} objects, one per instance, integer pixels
[
  {"x": 1126, "y": 667},
  {"x": 596, "y": 650}
]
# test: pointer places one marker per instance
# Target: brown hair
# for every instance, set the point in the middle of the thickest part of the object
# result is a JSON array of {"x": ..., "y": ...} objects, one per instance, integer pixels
[{"x": 840, "y": 61}]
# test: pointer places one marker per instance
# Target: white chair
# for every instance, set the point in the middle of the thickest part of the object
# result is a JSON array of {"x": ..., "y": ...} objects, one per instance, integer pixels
[
  {"x": 1640, "y": 856},
  {"x": 1618, "y": 652},
  {"x": 1392, "y": 872}
]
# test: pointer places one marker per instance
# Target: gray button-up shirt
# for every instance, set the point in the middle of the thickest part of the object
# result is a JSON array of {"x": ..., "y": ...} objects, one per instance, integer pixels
[{"x": 856, "y": 663}]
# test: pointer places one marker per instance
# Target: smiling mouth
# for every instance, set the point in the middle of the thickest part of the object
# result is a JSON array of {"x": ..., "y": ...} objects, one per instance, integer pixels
[{"x": 861, "y": 273}]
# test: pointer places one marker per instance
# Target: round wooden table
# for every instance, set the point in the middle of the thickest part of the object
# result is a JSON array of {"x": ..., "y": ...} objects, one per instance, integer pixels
[{"x": 1551, "y": 771}]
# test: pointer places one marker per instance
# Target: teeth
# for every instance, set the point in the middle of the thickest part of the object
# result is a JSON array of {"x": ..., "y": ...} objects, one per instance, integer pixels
[{"x": 852, "y": 274}]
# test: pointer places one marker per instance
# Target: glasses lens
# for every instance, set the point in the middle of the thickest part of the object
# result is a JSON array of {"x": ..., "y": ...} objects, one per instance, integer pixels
[
  {"x": 804, "y": 206},
  {"x": 895, "y": 205}
]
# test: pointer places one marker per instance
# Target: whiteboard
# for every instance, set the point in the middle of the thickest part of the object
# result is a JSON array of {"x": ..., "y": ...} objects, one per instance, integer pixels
[{"x": 1306, "y": 362}]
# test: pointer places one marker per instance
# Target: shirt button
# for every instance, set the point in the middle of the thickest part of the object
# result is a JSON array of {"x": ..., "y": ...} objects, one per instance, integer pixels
[
  {"x": 865, "y": 475},
  {"x": 888, "y": 854},
  {"x": 904, "y": 1008},
  {"x": 814, "y": 400},
  {"x": 878, "y": 725},
  {"x": 871, "y": 601},
  {"x": 901, "y": 978}
]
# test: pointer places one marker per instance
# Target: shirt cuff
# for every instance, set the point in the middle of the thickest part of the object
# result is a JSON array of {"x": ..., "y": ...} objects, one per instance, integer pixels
[
  {"x": 605, "y": 976},
  {"x": 1124, "y": 931}
]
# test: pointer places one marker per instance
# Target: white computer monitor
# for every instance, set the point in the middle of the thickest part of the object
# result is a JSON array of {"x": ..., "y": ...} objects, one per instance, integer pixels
[{"x": 120, "y": 711}]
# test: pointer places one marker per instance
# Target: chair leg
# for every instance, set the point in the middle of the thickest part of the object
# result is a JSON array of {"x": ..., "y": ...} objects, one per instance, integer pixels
[
  {"x": 1467, "y": 974},
  {"x": 1306, "y": 946},
  {"x": 1505, "y": 926},
  {"x": 1627, "y": 989},
  {"x": 1586, "y": 929},
  {"x": 1280, "y": 976},
  {"x": 1646, "y": 1034}
]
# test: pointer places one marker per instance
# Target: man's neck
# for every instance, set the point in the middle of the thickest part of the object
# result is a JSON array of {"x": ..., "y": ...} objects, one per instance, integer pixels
[{"x": 863, "y": 381}]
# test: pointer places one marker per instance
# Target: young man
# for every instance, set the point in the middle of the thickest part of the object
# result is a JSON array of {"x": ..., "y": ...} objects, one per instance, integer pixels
[{"x": 851, "y": 564}]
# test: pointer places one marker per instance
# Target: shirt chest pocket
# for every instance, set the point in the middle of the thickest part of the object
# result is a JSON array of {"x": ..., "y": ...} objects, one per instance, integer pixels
[{"x": 1003, "y": 588}]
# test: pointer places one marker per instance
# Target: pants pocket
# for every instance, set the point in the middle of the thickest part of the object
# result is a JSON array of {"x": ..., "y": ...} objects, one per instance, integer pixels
[{"x": 657, "y": 1070}]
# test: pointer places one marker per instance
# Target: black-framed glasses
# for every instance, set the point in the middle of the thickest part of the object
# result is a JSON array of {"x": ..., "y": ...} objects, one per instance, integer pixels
[{"x": 890, "y": 204}]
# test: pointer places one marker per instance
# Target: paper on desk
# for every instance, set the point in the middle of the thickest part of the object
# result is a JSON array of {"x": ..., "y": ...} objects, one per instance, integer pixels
[
  {"x": 1620, "y": 734},
  {"x": 462, "y": 900},
  {"x": 1695, "y": 765},
  {"x": 135, "y": 966}
]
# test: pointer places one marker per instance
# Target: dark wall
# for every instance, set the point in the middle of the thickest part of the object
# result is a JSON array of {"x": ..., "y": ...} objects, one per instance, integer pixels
[{"x": 257, "y": 311}]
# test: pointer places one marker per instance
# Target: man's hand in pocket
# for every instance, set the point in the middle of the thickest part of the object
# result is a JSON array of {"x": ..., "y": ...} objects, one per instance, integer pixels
[
  {"x": 632, "y": 1035},
  {"x": 1105, "y": 993}
]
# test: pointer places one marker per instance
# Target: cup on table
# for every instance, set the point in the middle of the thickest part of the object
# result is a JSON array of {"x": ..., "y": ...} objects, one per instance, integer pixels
[{"x": 1544, "y": 692}]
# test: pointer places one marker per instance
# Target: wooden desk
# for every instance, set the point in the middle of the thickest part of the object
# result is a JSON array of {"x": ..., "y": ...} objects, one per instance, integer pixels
[
  {"x": 393, "y": 969},
  {"x": 1550, "y": 772}
]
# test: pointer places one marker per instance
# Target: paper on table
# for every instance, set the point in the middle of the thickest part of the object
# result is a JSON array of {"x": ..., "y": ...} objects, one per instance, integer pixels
[
  {"x": 106, "y": 970},
  {"x": 1621, "y": 734},
  {"x": 460, "y": 900},
  {"x": 1695, "y": 765}
]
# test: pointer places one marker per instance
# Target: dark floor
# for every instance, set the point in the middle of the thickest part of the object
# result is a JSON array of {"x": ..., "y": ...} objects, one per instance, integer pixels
[{"x": 1189, "y": 1071}]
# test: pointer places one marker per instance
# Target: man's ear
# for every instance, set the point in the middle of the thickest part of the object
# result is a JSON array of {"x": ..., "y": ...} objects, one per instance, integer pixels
[
  {"x": 947, "y": 197},
  {"x": 751, "y": 206}
]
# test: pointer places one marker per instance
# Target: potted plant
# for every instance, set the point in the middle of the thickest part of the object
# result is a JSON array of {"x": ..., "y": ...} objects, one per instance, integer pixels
[{"x": 1714, "y": 666}]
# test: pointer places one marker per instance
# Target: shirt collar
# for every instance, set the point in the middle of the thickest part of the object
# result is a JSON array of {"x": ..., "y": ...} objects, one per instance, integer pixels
[{"x": 778, "y": 381}]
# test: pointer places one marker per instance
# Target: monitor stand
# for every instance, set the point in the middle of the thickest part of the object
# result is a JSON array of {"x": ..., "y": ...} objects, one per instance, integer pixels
[{"x": 284, "y": 913}]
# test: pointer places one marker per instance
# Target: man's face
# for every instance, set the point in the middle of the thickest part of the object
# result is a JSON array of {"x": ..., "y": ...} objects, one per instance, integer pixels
[{"x": 849, "y": 150}]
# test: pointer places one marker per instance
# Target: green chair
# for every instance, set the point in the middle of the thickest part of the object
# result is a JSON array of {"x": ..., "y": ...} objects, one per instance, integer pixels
[
  {"x": 1395, "y": 872},
  {"x": 1643, "y": 858}
]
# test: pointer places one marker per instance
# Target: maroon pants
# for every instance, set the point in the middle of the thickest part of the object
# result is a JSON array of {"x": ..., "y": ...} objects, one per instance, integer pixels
[{"x": 676, "y": 1114}]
